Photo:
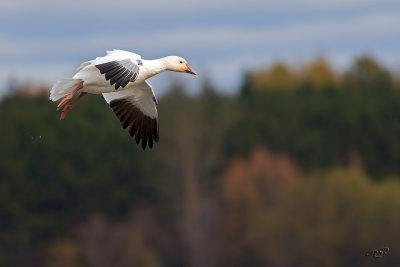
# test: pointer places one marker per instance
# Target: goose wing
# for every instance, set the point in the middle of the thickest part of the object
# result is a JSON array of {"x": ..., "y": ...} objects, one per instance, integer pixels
[
  {"x": 120, "y": 72},
  {"x": 136, "y": 108}
]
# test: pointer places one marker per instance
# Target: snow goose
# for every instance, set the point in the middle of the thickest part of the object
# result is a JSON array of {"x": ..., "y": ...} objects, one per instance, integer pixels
[{"x": 121, "y": 77}]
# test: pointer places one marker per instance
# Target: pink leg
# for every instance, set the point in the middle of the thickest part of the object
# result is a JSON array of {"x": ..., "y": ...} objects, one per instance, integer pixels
[
  {"x": 69, "y": 96},
  {"x": 70, "y": 105}
]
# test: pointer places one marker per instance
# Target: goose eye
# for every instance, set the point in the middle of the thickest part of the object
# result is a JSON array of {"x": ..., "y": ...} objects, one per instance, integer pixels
[{"x": 181, "y": 61}]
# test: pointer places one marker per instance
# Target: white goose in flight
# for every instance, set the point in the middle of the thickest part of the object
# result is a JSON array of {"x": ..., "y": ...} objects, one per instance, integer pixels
[{"x": 121, "y": 77}]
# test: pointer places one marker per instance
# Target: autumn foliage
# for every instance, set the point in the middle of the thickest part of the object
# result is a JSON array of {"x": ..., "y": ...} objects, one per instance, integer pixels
[{"x": 300, "y": 168}]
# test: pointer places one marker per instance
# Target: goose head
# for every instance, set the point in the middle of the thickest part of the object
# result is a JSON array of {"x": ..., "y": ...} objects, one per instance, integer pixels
[{"x": 178, "y": 64}]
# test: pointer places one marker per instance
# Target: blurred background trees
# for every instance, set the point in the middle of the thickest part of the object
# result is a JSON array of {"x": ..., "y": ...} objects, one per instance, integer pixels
[{"x": 300, "y": 168}]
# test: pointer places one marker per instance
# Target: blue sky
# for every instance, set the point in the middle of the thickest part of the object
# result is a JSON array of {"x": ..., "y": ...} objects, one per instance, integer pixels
[{"x": 43, "y": 40}]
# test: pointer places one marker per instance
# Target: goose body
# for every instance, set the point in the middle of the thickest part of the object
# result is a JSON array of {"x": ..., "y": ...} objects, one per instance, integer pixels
[{"x": 121, "y": 77}]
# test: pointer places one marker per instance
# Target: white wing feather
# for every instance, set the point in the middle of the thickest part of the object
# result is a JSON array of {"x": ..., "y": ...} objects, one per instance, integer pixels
[
  {"x": 141, "y": 96},
  {"x": 112, "y": 55}
]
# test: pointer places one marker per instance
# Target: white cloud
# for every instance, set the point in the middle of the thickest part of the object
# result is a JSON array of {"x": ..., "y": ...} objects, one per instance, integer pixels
[
  {"x": 319, "y": 33},
  {"x": 173, "y": 6}
]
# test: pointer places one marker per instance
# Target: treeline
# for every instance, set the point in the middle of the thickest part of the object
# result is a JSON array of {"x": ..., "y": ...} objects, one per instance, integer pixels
[
  {"x": 278, "y": 175},
  {"x": 323, "y": 118}
]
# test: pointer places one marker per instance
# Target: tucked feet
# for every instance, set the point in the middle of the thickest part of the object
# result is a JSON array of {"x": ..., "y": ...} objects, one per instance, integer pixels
[
  {"x": 69, "y": 96},
  {"x": 70, "y": 105}
]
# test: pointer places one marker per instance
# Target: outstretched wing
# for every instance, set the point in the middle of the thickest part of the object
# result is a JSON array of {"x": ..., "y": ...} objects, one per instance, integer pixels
[
  {"x": 120, "y": 72},
  {"x": 136, "y": 108}
]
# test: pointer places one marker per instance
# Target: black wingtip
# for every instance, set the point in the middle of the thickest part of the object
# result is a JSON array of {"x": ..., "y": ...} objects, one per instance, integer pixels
[
  {"x": 143, "y": 129},
  {"x": 120, "y": 72}
]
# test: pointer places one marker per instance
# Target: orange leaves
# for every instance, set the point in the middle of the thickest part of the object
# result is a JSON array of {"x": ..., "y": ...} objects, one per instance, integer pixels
[{"x": 251, "y": 181}]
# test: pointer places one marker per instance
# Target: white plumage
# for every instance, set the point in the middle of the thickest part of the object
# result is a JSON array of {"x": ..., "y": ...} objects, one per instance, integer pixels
[{"x": 121, "y": 77}]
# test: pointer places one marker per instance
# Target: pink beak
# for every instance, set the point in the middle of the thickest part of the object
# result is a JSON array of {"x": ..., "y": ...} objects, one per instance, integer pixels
[{"x": 189, "y": 70}]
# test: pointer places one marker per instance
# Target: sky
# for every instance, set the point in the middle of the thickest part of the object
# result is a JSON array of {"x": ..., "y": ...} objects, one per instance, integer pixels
[{"x": 45, "y": 40}]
